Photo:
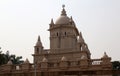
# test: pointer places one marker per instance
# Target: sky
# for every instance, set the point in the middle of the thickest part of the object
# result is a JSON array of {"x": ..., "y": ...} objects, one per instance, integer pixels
[{"x": 21, "y": 21}]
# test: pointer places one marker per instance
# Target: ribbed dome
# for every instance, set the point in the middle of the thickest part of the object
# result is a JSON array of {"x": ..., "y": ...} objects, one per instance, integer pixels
[{"x": 62, "y": 20}]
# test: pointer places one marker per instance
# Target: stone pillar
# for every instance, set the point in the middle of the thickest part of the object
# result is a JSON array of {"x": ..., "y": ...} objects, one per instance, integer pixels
[
  {"x": 25, "y": 67},
  {"x": 44, "y": 65},
  {"x": 84, "y": 63},
  {"x": 63, "y": 63}
]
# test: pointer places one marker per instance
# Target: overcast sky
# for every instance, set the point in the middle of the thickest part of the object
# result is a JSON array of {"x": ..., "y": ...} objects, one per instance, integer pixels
[{"x": 21, "y": 21}]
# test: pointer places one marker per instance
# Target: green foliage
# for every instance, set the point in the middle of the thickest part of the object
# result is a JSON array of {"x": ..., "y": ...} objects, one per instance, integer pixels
[
  {"x": 116, "y": 65},
  {"x": 5, "y": 57},
  {"x": 2, "y": 58},
  {"x": 16, "y": 59}
]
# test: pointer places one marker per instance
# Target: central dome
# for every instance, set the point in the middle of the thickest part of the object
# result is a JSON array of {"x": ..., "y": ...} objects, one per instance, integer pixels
[{"x": 62, "y": 20}]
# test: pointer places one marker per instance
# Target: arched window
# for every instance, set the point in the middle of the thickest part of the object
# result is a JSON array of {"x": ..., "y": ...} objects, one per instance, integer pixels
[
  {"x": 37, "y": 49},
  {"x": 65, "y": 33},
  {"x": 57, "y": 33}
]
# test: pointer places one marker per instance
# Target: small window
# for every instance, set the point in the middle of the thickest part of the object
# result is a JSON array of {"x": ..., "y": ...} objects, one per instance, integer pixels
[
  {"x": 57, "y": 33},
  {"x": 65, "y": 33},
  {"x": 37, "y": 49},
  {"x": 17, "y": 68}
]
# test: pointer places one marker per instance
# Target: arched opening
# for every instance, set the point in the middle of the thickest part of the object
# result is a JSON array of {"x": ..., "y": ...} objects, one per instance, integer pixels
[
  {"x": 57, "y": 33},
  {"x": 37, "y": 49},
  {"x": 65, "y": 33}
]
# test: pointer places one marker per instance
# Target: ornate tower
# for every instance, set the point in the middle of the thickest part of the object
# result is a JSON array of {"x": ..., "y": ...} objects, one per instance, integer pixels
[
  {"x": 63, "y": 33},
  {"x": 65, "y": 41},
  {"x": 38, "y": 49}
]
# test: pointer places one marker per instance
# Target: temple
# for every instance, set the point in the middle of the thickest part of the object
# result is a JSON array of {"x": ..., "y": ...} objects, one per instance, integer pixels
[{"x": 68, "y": 55}]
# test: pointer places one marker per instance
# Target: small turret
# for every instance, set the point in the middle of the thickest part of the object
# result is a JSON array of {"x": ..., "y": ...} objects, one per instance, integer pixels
[
  {"x": 106, "y": 61},
  {"x": 51, "y": 23},
  {"x": 80, "y": 40},
  {"x": 71, "y": 20},
  {"x": 84, "y": 61},
  {"x": 86, "y": 48},
  {"x": 105, "y": 55},
  {"x": 83, "y": 47},
  {"x": 26, "y": 65},
  {"x": 38, "y": 46},
  {"x": 26, "y": 61},
  {"x": 39, "y": 42}
]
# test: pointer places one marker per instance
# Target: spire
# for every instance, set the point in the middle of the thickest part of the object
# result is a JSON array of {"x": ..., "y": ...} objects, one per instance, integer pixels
[
  {"x": 80, "y": 40},
  {"x": 105, "y": 55},
  {"x": 26, "y": 61},
  {"x": 39, "y": 38},
  {"x": 63, "y": 13},
  {"x": 51, "y": 23},
  {"x": 39, "y": 42},
  {"x": 80, "y": 35},
  {"x": 71, "y": 20}
]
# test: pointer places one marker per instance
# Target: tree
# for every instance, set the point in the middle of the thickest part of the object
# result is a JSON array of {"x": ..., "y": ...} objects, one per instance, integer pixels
[
  {"x": 4, "y": 58},
  {"x": 16, "y": 59},
  {"x": 116, "y": 65}
]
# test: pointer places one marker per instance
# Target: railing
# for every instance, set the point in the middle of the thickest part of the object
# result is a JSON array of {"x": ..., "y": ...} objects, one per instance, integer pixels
[
  {"x": 50, "y": 65},
  {"x": 96, "y": 61}
]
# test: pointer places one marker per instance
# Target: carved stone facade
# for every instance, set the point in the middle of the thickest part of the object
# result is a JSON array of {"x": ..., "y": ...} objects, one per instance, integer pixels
[{"x": 68, "y": 54}]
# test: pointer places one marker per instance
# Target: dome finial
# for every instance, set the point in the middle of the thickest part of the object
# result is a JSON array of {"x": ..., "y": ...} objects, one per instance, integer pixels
[
  {"x": 63, "y": 6},
  {"x": 63, "y": 11},
  {"x": 38, "y": 38}
]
